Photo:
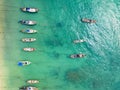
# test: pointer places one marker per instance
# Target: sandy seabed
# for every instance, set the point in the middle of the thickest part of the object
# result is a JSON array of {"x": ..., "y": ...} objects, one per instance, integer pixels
[{"x": 3, "y": 68}]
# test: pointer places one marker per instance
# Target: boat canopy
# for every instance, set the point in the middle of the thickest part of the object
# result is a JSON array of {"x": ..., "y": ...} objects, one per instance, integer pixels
[
  {"x": 27, "y": 9},
  {"x": 20, "y": 64}
]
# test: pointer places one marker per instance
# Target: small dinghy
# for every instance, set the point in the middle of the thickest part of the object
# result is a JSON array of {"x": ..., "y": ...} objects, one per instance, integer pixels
[
  {"x": 23, "y": 63},
  {"x": 28, "y": 39},
  {"x": 28, "y": 9},
  {"x": 29, "y": 49},
  {"x": 28, "y": 22},
  {"x": 29, "y": 31},
  {"x": 85, "y": 20},
  {"x": 28, "y": 88},
  {"x": 77, "y": 55},
  {"x": 32, "y": 81},
  {"x": 79, "y": 41}
]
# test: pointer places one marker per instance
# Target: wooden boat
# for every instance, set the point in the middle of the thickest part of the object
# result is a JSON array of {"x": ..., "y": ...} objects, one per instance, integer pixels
[
  {"x": 88, "y": 20},
  {"x": 32, "y": 81},
  {"x": 28, "y": 22},
  {"x": 77, "y": 55},
  {"x": 28, "y": 39},
  {"x": 79, "y": 41},
  {"x": 28, "y": 88},
  {"x": 23, "y": 63},
  {"x": 29, "y": 31},
  {"x": 29, "y": 49},
  {"x": 28, "y": 9}
]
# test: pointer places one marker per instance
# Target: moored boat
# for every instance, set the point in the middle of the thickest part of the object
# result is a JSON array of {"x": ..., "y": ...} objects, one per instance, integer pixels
[
  {"x": 28, "y": 39},
  {"x": 28, "y": 22},
  {"x": 77, "y": 55},
  {"x": 29, "y": 49},
  {"x": 29, "y": 31},
  {"x": 28, "y": 88},
  {"x": 79, "y": 41},
  {"x": 32, "y": 81},
  {"x": 88, "y": 20},
  {"x": 24, "y": 63},
  {"x": 28, "y": 9}
]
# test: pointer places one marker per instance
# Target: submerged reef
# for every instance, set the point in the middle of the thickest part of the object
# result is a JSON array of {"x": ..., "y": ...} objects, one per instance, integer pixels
[
  {"x": 53, "y": 43},
  {"x": 59, "y": 24},
  {"x": 53, "y": 54},
  {"x": 74, "y": 75},
  {"x": 54, "y": 73},
  {"x": 90, "y": 77},
  {"x": 56, "y": 55}
]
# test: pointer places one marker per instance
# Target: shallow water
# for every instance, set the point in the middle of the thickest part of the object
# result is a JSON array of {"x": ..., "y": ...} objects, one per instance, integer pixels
[{"x": 59, "y": 23}]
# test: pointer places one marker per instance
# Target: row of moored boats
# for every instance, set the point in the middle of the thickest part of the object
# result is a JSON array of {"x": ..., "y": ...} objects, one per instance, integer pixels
[
  {"x": 84, "y": 20},
  {"x": 28, "y": 49},
  {"x": 29, "y": 31}
]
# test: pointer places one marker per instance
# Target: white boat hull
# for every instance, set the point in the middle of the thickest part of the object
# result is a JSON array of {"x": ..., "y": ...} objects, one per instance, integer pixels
[
  {"x": 32, "y": 81},
  {"x": 79, "y": 41},
  {"x": 77, "y": 55},
  {"x": 28, "y": 22},
  {"x": 85, "y": 20},
  {"x": 28, "y": 39},
  {"x": 24, "y": 63},
  {"x": 29, "y": 49},
  {"x": 30, "y": 10},
  {"x": 29, "y": 31},
  {"x": 28, "y": 88}
]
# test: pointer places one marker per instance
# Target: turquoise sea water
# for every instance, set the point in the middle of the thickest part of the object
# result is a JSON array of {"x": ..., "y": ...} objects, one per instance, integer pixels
[{"x": 59, "y": 23}]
